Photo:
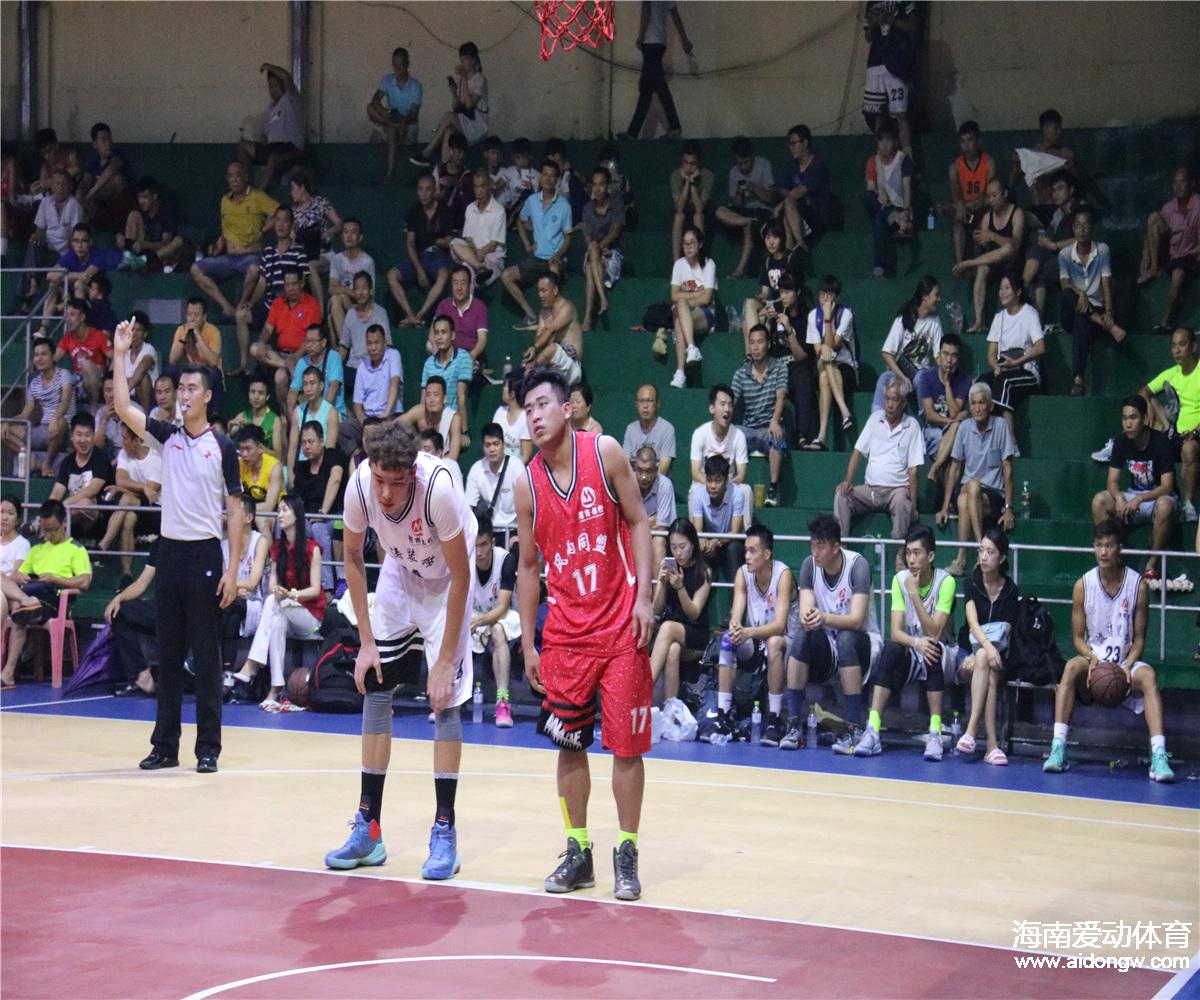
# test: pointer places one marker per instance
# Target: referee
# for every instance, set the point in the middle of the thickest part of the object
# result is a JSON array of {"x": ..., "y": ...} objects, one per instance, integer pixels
[{"x": 200, "y": 482}]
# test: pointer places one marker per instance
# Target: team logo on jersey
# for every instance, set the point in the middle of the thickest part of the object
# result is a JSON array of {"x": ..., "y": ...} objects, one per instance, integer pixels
[
  {"x": 588, "y": 496},
  {"x": 417, "y": 526},
  {"x": 588, "y": 506}
]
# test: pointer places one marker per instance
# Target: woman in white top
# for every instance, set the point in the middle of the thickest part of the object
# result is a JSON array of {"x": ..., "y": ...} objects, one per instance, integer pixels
[
  {"x": 693, "y": 282},
  {"x": 14, "y": 546},
  {"x": 469, "y": 94},
  {"x": 141, "y": 363},
  {"x": 831, "y": 325},
  {"x": 913, "y": 341},
  {"x": 1014, "y": 344}
]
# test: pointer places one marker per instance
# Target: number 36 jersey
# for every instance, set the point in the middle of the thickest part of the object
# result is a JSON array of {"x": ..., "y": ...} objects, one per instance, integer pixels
[{"x": 586, "y": 545}]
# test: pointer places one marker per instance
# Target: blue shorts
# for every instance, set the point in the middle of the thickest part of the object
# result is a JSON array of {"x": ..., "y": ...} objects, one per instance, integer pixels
[
  {"x": 759, "y": 439},
  {"x": 226, "y": 265},
  {"x": 432, "y": 259}
]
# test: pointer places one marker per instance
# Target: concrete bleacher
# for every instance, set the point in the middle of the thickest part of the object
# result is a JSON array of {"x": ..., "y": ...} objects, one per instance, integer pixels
[{"x": 1131, "y": 168}]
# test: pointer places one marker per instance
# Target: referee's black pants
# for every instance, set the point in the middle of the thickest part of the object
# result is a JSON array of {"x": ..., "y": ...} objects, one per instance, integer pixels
[{"x": 189, "y": 616}]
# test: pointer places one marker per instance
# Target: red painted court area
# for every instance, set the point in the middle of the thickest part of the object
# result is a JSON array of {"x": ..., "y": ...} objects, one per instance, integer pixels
[{"x": 94, "y": 925}]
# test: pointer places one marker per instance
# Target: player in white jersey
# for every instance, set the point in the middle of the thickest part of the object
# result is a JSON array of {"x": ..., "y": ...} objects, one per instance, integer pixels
[
  {"x": 838, "y": 631},
  {"x": 920, "y": 647},
  {"x": 763, "y": 616},
  {"x": 1109, "y": 607},
  {"x": 495, "y": 623},
  {"x": 426, "y": 533}
]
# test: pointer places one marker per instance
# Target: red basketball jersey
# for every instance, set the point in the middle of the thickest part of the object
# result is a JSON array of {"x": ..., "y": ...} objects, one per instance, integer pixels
[{"x": 585, "y": 542}]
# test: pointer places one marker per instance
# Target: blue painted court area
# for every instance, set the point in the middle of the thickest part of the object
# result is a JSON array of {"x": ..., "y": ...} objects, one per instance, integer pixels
[{"x": 901, "y": 760}]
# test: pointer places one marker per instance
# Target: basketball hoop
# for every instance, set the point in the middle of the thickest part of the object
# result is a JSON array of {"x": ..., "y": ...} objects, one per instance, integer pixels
[{"x": 573, "y": 22}]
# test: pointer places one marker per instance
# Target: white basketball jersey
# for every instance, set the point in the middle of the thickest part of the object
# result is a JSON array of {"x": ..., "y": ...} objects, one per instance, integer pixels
[
  {"x": 912, "y": 622},
  {"x": 246, "y": 564},
  {"x": 835, "y": 599},
  {"x": 1110, "y": 619},
  {"x": 487, "y": 594},
  {"x": 760, "y": 605}
]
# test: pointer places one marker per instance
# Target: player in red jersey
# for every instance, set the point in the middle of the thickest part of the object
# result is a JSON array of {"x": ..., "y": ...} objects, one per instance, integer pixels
[{"x": 579, "y": 504}]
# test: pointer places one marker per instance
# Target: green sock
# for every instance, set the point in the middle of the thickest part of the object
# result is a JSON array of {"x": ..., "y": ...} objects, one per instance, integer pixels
[
  {"x": 502, "y": 694},
  {"x": 873, "y": 720},
  {"x": 580, "y": 834},
  {"x": 625, "y": 835},
  {"x": 935, "y": 724}
]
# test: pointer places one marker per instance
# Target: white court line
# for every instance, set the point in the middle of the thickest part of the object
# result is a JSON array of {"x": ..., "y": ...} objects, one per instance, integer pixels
[
  {"x": 961, "y": 807},
  {"x": 267, "y": 977},
  {"x": 1175, "y": 983},
  {"x": 59, "y": 701}
]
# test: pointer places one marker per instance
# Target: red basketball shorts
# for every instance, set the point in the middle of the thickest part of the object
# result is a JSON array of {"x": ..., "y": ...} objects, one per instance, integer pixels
[{"x": 572, "y": 681}]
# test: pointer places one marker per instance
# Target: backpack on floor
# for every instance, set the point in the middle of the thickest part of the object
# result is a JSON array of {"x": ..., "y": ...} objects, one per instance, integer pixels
[
  {"x": 1033, "y": 654},
  {"x": 331, "y": 683}
]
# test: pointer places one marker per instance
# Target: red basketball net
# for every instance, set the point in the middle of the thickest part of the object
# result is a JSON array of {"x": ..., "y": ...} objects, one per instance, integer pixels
[{"x": 573, "y": 22}]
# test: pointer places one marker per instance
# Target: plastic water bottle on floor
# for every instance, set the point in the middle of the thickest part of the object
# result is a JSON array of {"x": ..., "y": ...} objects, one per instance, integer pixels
[
  {"x": 810, "y": 739},
  {"x": 955, "y": 730},
  {"x": 504, "y": 372},
  {"x": 477, "y": 705},
  {"x": 756, "y": 724},
  {"x": 1026, "y": 501},
  {"x": 733, "y": 317},
  {"x": 931, "y": 221}
]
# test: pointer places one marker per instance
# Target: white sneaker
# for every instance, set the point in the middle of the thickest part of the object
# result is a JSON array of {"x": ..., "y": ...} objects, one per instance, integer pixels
[
  {"x": 1104, "y": 454},
  {"x": 693, "y": 355},
  {"x": 933, "y": 746},
  {"x": 678, "y": 380},
  {"x": 868, "y": 744},
  {"x": 1189, "y": 511}
]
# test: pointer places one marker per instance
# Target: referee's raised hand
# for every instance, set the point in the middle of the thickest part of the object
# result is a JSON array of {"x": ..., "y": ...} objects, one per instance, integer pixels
[{"x": 123, "y": 338}]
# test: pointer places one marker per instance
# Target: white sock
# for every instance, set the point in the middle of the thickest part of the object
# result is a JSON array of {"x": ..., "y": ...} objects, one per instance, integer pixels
[
  {"x": 1060, "y": 731},
  {"x": 724, "y": 700},
  {"x": 1158, "y": 743},
  {"x": 776, "y": 703}
]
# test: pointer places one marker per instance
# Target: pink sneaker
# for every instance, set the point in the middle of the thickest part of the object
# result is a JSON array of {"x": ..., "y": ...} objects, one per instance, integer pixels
[{"x": 504, "y": 718}]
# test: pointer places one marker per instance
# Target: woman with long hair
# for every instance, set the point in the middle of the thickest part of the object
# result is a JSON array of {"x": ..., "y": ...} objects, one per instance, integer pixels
[
  {"x": 314, "y": 220},
  {"x": 469, "y": 107},
  {"x": 1015, "y": 342},
  {"x": 681, "y": 598},
  {"x": 913, "y": 341},
  {"x": 693, "y": 284}
]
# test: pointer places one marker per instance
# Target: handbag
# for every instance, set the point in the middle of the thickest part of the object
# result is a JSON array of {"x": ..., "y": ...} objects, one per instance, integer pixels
[
  {"x": 997, "y": 634},
  {"x": 484, "y": 510}
]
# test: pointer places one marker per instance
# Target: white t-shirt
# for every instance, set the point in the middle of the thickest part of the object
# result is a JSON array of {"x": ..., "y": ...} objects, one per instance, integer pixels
[
  {"x": 514, "y": 433},
  {"x": 131, "y": 363},
  {"x": 844, "y": 352},
  {"x": 733, "y": 447},
  {"x": 490, "y": 225},
  {"x": 477, "y": 86},
  {"x": 517, "y": 180},
  {"x": 481, "y": 485},
  {"x": 13, "y": 553},
  {"x": 285, "y": 121},
  {"x": 1015, "y": 333},
  {"x": 694, "y": 279},
  {"x": 656, "y": 22},
  {"x": 141, "y": 470},
  {"x": 344, "y": 269},
  {"x": 920, "y": 345}
]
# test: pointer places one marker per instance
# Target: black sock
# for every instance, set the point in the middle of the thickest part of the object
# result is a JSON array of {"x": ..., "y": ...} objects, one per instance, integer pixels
[
  {"x": 372, "y": 795},
  {"x": 445, "y": 786}
]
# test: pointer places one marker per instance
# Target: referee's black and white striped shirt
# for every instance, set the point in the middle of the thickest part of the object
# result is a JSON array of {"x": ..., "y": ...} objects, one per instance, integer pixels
[{"x": 198, "y": 474}]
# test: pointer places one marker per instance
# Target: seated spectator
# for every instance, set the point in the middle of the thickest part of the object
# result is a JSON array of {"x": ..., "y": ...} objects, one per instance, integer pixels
[
  {"x": 77, "y": 268},
  {"x": 491, "y": 480},
  {"x": 920, "y": 648},
  {"x": 808, "y": 205},
  {"x": 658, "y": 497},
  {"x": 107, "y": 429},
  {"x": 454, "y": 185},
  {"x": 403, "y": 94},
  {"x": 761, "y": 386},
  {"x": 619, "y": 184},
  {"x": 602, "y": 225},
  {"x": 151, "y": 238},
  {"x": 1050, "y": 124},
  {"x": 311, "y": 407},
  {"x": 261, "y": 474},
  {"x": 691, "y": 194},
  {"x": 166, "y": 406},
  {"x": 318, "y": 354},
  {"x": 259, "y": 413},
  {"x": 1085, "y": 304},
  {"x": 517, "y": 181},
  {"x": 1041, "y": 263},
  {"x": 581, "y": 410},
  {"x": 979, "y": 480},
  {"x": 99, "y": 288},
  {"x": 510, "y": 415},
  {"x": 51, "y": 390},
  {"x": 720, "y": 437},
  {"x": 1015, "y": 343},
  {"x": 141, "y": 363},
  {"x": 1109, "y": 628},
  {"x": 751, "y": 195},
  {"x": 720, "y": 508},
  {"x": 693, "y": 284},
  {"x": 888, "y": 199},
  {"x": 241, "y": 617},
  {"x": 990, "y": 599},
  {"x": 1184, "y": 383},
  {"x": 1147, "y": 455},
  {"x": 913, "y": 341},
  {"x": 57, "y": 562},
  {"x": 650, "y": 429},
  {"x": 343, "y": 266},
  {"x": 290, "y": 316},
  {"x": 57, "y": 216},
  {"x": 245, "y": 216},
  {"x": 428, "y": 232},
  {"x": 469, "y": 106},
  {"x": 484, "y": 241},
  {"x": 942, "y": 402},
  {"x": 14, "y": 546},
  {"x": 379, "y": 385},
  {"x": 264, "y": 280},
  {"x": 830, "y": 333},
  {"x": 452, "y": 363},
  {"x": 82, "y": 477},
  {"x": 432, "y": 442},
  {"x": 495, "y": 623},
  {"x": 889, "y": 29},
  {"x": 318, "y": 475},
  {"x": 544, "y": 225},
  {"x": 558, "y": 342},
  {"x": 970, "y": 173},
  {"x": 296, "y": 603},
  {"x": 352, "y": 344},
  {"x": 1175, "y": 229},
  {"x": 777, "y": 261},
  {"x": 198, "y": 342},
  {"x": 132, "y": 616},
  {"x": 837, "y": 631},
  {"x": 138, "y": 484},
  {"x": 571, "y": 185},
  {"x": 432, "y": 413},
  {"x": 316, "y": 222},
  {"x": 88, "y": 348},
  {"x": 787, "y": 336},
  {"x": 283, "y": 133},
  {"x": 56, "y": 158},
  {"x": 106, "y": 186},
  {"x": 764, "y": 617},
  {"x": 998, "y": 242},
  {"x": 681, "y": 594},
  {"x": 891, "y": 442},
  {"x": 469, "y": 315}
]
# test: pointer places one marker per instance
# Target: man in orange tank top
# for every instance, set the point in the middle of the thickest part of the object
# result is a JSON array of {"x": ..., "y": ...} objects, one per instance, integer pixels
[
  {"x": 579, "y": 506},
  {"x": 969, "y": 176}
]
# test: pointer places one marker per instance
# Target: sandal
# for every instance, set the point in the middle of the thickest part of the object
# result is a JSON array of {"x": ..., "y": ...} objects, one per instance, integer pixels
[
  {"x": 1077, "y": 389},
  {"x": 814, "y": 446},
  {"x": 270, "y": 705},
  {"x": 997, "y": 757},
  {"x": 847, "y": 422},
  {"x": 965, "y": 744}
]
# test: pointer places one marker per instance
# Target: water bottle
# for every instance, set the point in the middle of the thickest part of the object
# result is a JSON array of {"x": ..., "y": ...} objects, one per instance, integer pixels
[
  {"x": 811, "y": 727},
  {"x": 931, "y": 222},
  {"x": 22, "y": 463},
  {"x": 756, "y": 724},
  {"x": 477, "y": 705},
  {"x": 955, "y": 729},
  {"x": 1026, "y": 501},
  {"x": 507, "y": 366},
  {"x": 733, "y": 317}
]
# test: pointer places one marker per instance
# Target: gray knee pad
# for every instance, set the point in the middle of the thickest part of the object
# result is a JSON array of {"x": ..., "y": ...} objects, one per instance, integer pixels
[
  {"x": 447, "y": 725},
  {"x": 377, "y": 712}
]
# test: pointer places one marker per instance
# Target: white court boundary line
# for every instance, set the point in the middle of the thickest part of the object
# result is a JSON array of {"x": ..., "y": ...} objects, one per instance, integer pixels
[
  {"x": 267, "y": 977},
  {"x": 1177, "y": 981},
  {"x": 59, "y": 701}
]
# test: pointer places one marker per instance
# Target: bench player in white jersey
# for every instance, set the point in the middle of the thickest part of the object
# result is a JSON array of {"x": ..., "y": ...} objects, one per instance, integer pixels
[
  {"x": 838, "y": 632},
  {"x": 1109, "y": 607},
  {"x": 921, "y": 647},
  {"x": 763, "y": 617},
  {"x": 426, "y": 534},
  {"x": 495, "y": 623}
]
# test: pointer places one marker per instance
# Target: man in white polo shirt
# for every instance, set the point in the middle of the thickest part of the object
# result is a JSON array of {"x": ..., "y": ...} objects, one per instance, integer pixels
[{"x": 891, "y": 442}]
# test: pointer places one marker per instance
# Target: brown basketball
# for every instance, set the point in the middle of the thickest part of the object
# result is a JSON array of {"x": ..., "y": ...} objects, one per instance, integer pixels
[
  {"x": 297, "y": 686},
  {"x": 1109, "y": 686}
]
